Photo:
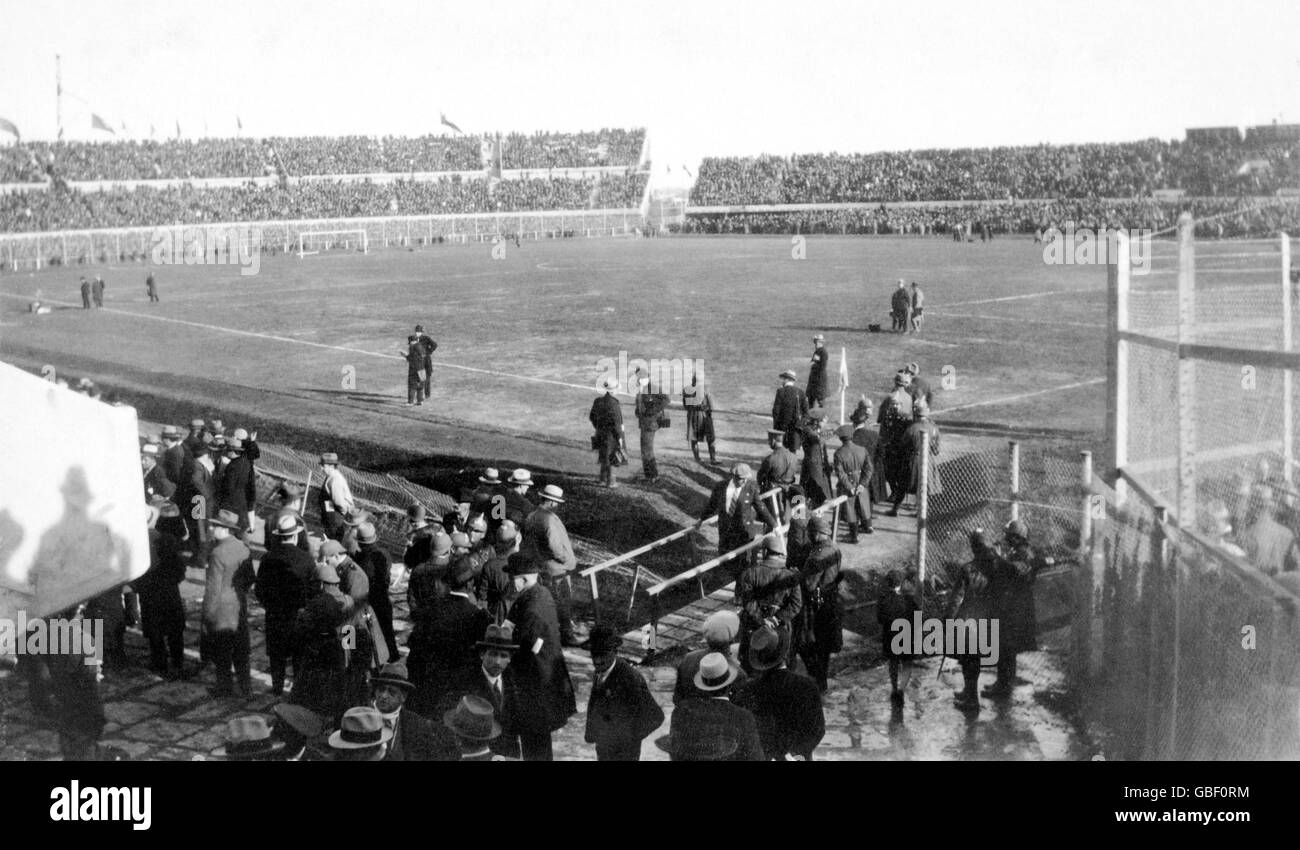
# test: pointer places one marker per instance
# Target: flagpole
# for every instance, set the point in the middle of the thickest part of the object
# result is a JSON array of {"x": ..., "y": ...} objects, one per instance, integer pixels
[
  {"x": 58, "y": 94},
  {"x": 844, "y": 384}
]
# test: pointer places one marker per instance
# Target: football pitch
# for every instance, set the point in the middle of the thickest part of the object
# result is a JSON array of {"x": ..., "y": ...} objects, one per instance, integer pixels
[{"x": 317, "y": 341}]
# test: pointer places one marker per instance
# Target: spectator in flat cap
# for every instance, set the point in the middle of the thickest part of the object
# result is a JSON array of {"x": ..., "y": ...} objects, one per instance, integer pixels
[
  {"x": 721, "y": 631},
  {"x": 225, "y": 605},
  {"x": 162, "y": 611},
  {"x": 769, "y": 594},
  {"x": 335, "y": 497},
  {"x": 426, "y": 581},
  {"x": 282, "y": 586},
  {"x": 361, "y": 736},
  {"x": 443, "y": 635},
  {"x": 621, "y": 712},
  {"x": 493, "y": 681},
  {"x": 374, "y": 562},
  {"x": 789, "y": 410},
  {"x": 702, "y": 727},
  {"x": 606, "y": 417},
  {"x": 414, "y": 738},
  {"x": 736, "y": 504},
  {"x": 320, "y": 663},
  {"x": 546, "y": 542},
  {"x": 156, "y": 482},
  {"x": 546, "y": 694},
  {"x": 786, "y": 705},
  {"x": 493, "y": 585}
]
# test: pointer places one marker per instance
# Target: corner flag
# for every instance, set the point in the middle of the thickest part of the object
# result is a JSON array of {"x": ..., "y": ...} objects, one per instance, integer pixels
[
  {"x": 97, "y": 123},
  {"x": 442, "y": 119},
  {"x": 10, "y": 127},
  {"x": 844, "y": 380}
]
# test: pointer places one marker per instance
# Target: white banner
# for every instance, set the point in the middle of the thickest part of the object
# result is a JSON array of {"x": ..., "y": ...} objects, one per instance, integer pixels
[{"x": 72, "y": 515}]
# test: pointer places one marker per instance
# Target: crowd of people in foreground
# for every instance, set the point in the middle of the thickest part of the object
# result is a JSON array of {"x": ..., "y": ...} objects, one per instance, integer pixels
[
  {"x": 325, "y": 199},
  {"x": 189, "y": 159},
  {"x": 1122, "y": 170}
]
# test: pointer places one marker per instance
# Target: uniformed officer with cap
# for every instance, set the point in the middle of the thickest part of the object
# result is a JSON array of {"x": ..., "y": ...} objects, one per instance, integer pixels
[
  {"x": 789, "y": 410},
  {"x": 778, "y": 469},
  {"x": 853, "y": 471}
]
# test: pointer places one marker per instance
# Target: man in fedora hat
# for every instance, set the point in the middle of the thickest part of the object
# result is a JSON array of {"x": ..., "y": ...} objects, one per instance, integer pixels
[
  {"x": 486, "y": 493},
  {"x": 721, "y": 630},
  {"x": 335, "y": 497},
  {"x": 156, "y": 482},
  {"x": 546, "y": 696},
  {"x": 162, "y": 611},
  {"x": 739, "y": 510},
  {"x": 789, "y": 410},
  {"x": 419, "y": 537},
  {"x": 621, "y": 711},
  {"x": 516, "y": 506},
  {"x": 174, "y": 454},
  {"x": 361, "y": 736},
  {"x": 707, "y": 723},
  {"x": 299, "y": 728},
  {"x": 237, "y": 487},
  {"x": 443, "y": 637},
  {"x": 474, "y": 727},
  {"x": 282, "y": 583},
  {"x": 413, "y": 737},
  {"x": 546, "y": 542},
  {"x": 818, "y": 378},
  {"x": 426, "y": 581},
  {"x": 768, "y": 594},
  {"x": 493, "y": 681},
  {"x": 817, "y": 631},
  {"x": 288, "y": 498},
  {"x": 225, "y": 604},
  {"x": 853, "y": 471},
  {"x": 787, "y": 705},
  {"x": 607, "y": 418},
  {"x": 249, "y": 738}
]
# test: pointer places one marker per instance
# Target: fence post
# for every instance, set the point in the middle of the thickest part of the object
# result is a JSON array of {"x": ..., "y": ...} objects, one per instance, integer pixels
[
  {"x": 1118, "y": 277},
  {"x": 1160, "y": 558},
  {"x": 1288, "y": 432},
  {"x": 595, "y": 600},
  {"x": 1174, "y": 663},
  {"x": 1085, "y": 529},
  {"x": 922, "y": 512},
  {"x": 1186, "y": 505},
  {"x": 1081, "y": 651},
  {"x": 1015, "y": 480}
]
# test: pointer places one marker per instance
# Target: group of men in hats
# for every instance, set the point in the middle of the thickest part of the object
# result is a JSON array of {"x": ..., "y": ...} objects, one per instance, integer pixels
[{"x": 906, "y": 309}]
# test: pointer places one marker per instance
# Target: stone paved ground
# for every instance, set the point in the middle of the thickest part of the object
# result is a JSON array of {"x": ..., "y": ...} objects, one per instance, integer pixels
[{"x": 153, "y": 719}]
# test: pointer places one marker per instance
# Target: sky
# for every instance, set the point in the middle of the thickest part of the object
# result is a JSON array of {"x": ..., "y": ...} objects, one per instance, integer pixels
[{"x": 716, "y": 78}]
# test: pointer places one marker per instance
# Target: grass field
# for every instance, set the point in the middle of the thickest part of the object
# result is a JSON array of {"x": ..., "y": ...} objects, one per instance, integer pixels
[{"x": 520, "y": 337}]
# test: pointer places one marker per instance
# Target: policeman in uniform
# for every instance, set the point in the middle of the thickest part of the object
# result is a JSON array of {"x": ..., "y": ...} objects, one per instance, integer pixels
[
  {"x": 777, "y": 469},
  {"x": 853, "y": 471}
]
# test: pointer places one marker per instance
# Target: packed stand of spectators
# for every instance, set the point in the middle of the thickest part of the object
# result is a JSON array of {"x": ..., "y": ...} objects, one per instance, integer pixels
[
  {"x": 1003, "y": 217},
  {"x": 1126, "y": 170},
  {"x": 143, "y": 207},
  {"x": 312, "y": 155}
]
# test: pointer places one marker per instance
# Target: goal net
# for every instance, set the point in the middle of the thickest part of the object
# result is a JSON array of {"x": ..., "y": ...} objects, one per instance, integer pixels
[{"x": 316, "y": 241}]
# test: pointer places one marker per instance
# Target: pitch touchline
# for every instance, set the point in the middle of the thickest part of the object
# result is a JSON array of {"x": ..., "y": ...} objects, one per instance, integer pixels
[
  {"x": 1018, "y": 319},
  {"x": 1010, "y": 298},
  {"x": 1011, "y": 398},
  {"x": 326, "y": 346}
]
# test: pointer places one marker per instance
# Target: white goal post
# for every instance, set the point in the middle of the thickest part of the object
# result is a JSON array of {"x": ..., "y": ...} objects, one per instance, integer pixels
[{"x": 315, "y": 241}]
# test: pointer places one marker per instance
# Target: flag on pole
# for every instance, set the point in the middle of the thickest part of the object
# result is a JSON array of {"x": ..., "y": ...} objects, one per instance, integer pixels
[
  {"x": 239, "y": 124},
  {"x": 97, "y": 123},
  {"x": 11, "y": 128},
  {"x": 178, "y": 128},
  {"x": 844, "y": 380},
  {"x": 442, "y": 116},
  {"x": 151, "y": 131}
]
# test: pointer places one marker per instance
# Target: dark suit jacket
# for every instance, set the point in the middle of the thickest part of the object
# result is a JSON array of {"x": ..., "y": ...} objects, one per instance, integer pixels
[
  {"x": 606, "y": 413},
  {"x": 621, "y": 709},
  {"x": 545, "y": 690},
  {"x": 788, "y": 708},
  {"x": 789, "y": 408},
  {"x": 156, "y": 483},
  {"x": 717, "y": 719},
  {"x": 414, "y": 739},
  {"x": 518, "y": 507},
  {"x": 173, "y": 461},
  {"x": 282, "y": 581},
  {"x": 237, "y": 489},
  {"x": 474, "y": 683},
  {"x": 442, "y": 645},
  {"x": 853, "y": 467},
  {"x": 735, "y": 528}
]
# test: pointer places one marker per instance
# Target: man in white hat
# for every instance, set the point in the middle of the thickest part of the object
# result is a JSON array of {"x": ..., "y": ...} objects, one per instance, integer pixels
[
  {"x": 607, "y": 418},
  {"x": 546, "y": 543},
  {"x": 516, "y": 504},
  {"x": 712, "y": 718},
  {"x": 721, "y": 629},
  {"x": 282, "y": 583}
]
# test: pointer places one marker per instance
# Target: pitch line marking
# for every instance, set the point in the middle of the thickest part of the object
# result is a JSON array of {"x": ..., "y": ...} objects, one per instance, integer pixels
[
  {"x": 1011, "y": 398},
  {"x": 276, "y": 338},
  {"x": 1019, "y": 319},
  {"x": 1012, "y": 298}
]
